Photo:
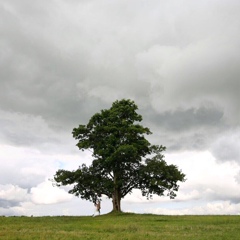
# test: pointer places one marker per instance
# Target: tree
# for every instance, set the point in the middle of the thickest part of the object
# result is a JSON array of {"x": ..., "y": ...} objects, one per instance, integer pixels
[{"x": 123, "y": 159}]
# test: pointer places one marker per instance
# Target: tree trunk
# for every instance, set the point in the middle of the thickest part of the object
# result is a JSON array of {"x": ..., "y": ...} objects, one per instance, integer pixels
[
  {"x": 116, "y": 196},
  {"x": 116, "y": 200}
]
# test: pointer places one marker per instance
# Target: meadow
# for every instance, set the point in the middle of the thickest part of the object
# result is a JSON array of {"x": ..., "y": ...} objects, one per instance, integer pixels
[{"x": 124, "y": 226}]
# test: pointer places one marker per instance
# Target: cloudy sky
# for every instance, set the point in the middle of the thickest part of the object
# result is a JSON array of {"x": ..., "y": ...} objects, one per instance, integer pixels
[{"x": 61, "y": 61}]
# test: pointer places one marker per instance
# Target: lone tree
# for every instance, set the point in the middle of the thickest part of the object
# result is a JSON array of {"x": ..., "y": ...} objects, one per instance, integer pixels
[{"x": 123, "y": 159}]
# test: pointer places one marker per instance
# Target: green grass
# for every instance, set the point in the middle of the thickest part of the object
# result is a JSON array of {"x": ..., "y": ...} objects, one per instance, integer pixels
[{"x": 121, "y": 226}]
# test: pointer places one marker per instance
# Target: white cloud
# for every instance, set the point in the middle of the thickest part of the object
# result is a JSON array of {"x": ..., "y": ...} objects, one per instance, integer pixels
[
  {"x": 45, "y": 193},
  {"x": 13, "y": 193},
  {"x": 206, "y": 181},
  {"x": 27, "y": 167},
  {"x": 213, "y": 208},
  {"x": 204, "y": 174}
]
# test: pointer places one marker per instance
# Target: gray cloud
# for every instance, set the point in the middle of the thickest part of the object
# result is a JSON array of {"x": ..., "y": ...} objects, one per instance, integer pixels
[
  {"x": 8, "y": 204},
  {"x": 226, "y": 147},
  {"x": 62, "y": 62},
  {"x": 40, "y": 61},
  {"x": 11, "y": 196},
  {"x": 185, "y": 120}
]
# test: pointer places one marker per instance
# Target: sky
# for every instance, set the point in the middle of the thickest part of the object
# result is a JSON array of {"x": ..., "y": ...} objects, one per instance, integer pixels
[{"x": 63, "y": 61}]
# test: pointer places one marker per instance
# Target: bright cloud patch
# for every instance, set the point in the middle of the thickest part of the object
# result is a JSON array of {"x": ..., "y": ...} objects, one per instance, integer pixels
[
  {"x": 215, "y": 208},
  {"x": 10, "y": 192},
  {"x": 45, "y": 193},
  {"x": 207, "y": 181}
]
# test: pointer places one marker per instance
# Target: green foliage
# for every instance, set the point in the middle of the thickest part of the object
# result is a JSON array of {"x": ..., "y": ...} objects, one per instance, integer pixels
[
  {"x": 121, "y": 227},
  {"x": 123, "y": 158}
]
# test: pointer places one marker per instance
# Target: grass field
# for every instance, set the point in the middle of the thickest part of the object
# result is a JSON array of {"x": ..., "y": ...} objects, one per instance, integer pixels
[{"x": 121, "y": 226}]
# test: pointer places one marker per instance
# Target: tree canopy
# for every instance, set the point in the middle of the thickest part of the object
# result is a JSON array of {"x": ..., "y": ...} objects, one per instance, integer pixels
[{"x": 123, "y": 159}]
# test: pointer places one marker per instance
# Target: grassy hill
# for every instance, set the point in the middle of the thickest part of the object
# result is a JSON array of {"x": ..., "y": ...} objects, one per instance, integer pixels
[{"x": 121, "y": 226}]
